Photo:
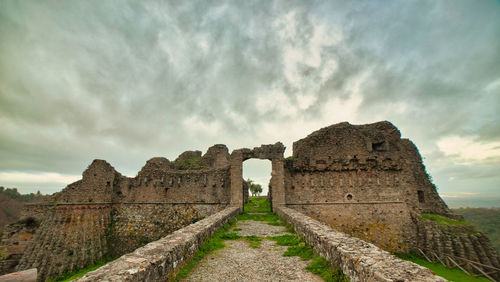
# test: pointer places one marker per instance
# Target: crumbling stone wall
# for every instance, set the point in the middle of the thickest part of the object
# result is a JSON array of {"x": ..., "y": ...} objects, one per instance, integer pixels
[
  {"x": 106, "y": 214},
  {"x": 162, "y": 260},
  {"x": 359, "y": 260},
  {"x": 363, "y": 180},
  {"x": 132, "y": 229},
  {"x": 458, "y": 242},
  {"x": 69, "y": 237}
]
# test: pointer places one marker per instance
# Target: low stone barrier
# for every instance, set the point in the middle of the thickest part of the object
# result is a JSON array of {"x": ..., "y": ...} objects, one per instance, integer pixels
[
  {"x": 162, "y": 259},
  {"x": 359, "y": 260}
]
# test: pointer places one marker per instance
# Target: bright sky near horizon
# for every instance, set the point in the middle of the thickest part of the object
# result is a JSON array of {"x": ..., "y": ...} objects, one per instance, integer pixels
[{"x": 126, "y": 81}]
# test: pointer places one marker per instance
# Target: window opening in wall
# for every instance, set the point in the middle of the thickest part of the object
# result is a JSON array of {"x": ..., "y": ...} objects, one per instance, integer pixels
[
  {"x": 421, "y": 198},
  {"x": 380, "y": 146},
  {"x": 259, "y": 173},
  {"x": 348, "y": 197}
]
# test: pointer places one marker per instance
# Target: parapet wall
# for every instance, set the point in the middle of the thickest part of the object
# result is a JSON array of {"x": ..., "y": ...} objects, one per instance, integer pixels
[
  {"x": 359, "y": 260},
  {"x": 162, "y": 259},
  {"x": 135, "y": 224}
]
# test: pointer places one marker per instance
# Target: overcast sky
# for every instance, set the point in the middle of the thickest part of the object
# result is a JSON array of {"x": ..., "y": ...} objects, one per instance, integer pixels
[{"x": 125, "y": 81}]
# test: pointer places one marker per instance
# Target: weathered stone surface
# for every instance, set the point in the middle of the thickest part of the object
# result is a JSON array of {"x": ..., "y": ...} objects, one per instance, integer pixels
[
  {"x": 108, "y": 214},
  {"x": 160, "y": 260},
  {"x": 359, "y": 260},
  {"x": 29, "y": 275},
  {"x": 216, "y": 156},
  {"x": 363, "y": 180}
]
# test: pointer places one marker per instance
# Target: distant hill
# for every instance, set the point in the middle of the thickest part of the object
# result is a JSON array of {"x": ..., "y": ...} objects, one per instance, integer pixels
[
  {"x": 486, "y": 220},
  {"x": 11, "y": 203},
  {"x": 455, "y": 203}
]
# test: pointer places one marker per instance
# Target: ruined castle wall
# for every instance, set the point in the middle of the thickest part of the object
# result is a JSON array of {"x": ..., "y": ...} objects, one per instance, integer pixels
[
  {"x": 69, "y": 237},
  {"x": 135, "y": 224},
  {"x": 161, "y": 260},
  {"x": 388, "y": 225},
  {"x": 362, "y": 180},
  {"x": 457, "y": 242},
  {"x": 194, "y": 186},
  {"x": 359, "y": 260},
  {"x": 96, "y": 185},
  {"x": 106, "y": 214}
]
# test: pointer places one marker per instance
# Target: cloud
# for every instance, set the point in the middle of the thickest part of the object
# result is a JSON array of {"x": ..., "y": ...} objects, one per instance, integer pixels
[
  {"x": 38, "y": 177},
  {"x": 465, "y": 150},
  {"x": 84, "y": 80}
]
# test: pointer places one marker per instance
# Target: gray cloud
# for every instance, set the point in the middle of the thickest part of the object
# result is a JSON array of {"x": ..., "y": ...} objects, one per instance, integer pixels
[{"x": 126, "y": 81}]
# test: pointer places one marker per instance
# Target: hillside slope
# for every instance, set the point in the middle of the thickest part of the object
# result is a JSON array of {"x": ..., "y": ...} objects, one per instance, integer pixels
[
  {"x": 11, "y": 203},
  {"x": 486, "y": 220}
]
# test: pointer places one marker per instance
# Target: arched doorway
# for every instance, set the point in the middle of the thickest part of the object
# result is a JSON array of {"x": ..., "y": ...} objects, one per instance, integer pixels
[{"x": 274, "y": 153}]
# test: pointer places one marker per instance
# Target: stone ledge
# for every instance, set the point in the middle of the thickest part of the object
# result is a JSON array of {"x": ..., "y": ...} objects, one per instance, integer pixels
[
  {"x": 161, "y": 260},
  {"x": 359, "y": 260}
]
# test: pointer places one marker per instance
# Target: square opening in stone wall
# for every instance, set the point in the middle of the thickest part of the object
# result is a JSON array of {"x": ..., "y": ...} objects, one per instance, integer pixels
[
  {"x": 421, "y": 198},
  {"x": 380, "y": 146}
]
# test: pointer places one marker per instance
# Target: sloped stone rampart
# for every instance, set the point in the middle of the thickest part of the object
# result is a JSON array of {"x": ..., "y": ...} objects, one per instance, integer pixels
[
  {"x": 359, "y": 260},
  {"x": 161, "y": 260}
]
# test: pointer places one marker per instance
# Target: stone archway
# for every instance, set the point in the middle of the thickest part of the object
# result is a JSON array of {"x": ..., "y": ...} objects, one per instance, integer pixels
[{"x": 274, "y": 153}]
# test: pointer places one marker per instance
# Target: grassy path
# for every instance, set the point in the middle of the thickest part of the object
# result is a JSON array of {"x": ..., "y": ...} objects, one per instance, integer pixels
[{"x": 258, "y": 246}]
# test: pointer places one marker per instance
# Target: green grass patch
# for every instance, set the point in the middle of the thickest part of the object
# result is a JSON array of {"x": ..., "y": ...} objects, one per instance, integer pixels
[
  {"x": 323, "y": 268},
  {"x": 237, "y": 229},
  {"x": 257, "y": 204},
  {"x": 442, "y": 220},
  {"x": 68, "y": 276},
  {"x": 270, "y": 217},
  {"x": 296, "y": 246},
  {"x": 230, "y": 236},
  {"x": 214, "y": 243},
  {"x": 277, "y": 223},
  {"x": 454, "y": 274},
  {"x": 319, "y": 265},
  {"x": 254, "y": 241},
  {"x": 190, "y": 163}
]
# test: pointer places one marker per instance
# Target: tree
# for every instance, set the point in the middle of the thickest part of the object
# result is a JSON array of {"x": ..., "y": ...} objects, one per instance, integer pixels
[{"x": 254, "y": 188}]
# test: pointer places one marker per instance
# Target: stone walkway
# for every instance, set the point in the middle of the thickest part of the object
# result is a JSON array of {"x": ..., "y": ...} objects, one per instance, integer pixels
[{"x": 239, "y": 262}]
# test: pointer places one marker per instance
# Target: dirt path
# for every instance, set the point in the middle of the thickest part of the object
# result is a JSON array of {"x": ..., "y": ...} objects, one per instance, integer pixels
[{"x": 239, "y": 262}]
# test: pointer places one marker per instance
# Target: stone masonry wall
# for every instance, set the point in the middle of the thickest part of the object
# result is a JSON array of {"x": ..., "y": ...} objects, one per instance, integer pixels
[
  {"x": 457, "y": 241},
  {"x": 388, "y": 225},
  {"x": 161, "y": 260},
  {"x": 136, "y": 224},
  {"x": 363, "y": 180},
  {"x": 106, "y": 214},
  {"x": 359, "y": 260},
  {"x": 69, "y": 237}
]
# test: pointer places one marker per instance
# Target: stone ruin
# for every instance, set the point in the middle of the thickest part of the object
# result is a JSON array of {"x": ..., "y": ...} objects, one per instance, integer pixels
[{"x": 362, "y": 180}]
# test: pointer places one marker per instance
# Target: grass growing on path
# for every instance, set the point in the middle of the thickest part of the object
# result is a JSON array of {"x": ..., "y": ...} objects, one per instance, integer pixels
[
  {"x": 296, "y": 245},
  {"x": 257, "y": 204},
  {"x": 455, "y": 275},
  {"x": 214, "y": 243}
]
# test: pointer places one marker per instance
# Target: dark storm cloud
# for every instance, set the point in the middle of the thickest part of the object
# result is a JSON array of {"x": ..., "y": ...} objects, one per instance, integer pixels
[{"x": 128, "y": 80}]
